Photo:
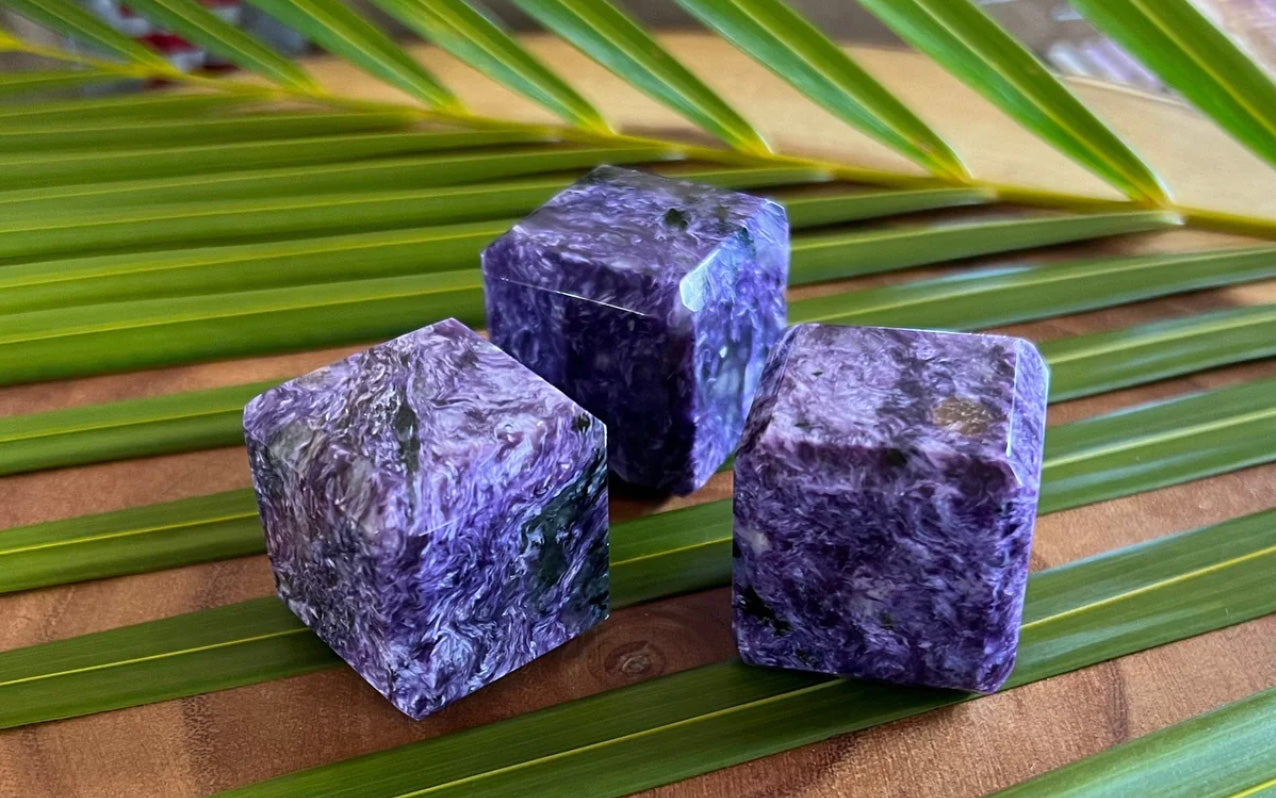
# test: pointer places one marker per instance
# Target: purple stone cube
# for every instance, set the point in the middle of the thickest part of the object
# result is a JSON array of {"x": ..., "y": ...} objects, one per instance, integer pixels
[
  {"x": 434, "y": 511},
  {"x": 651, "y": 302},
  {"x": 885, "y": 492}
]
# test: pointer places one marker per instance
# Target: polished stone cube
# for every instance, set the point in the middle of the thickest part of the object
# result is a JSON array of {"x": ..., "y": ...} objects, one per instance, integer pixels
[
  {"x": 651, "y": 302},
  {"x": 434, "y": 511},
  {"x": 885, "y": 492}
]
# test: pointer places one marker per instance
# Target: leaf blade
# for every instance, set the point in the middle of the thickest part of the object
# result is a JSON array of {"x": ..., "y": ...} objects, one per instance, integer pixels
[
  {"x": 604, "y": 33},
  {"x": 839, "y": 255},
  {"x": 779, "y": 38},
  {"x": 344, "y": 33},
  {"x": 1188, "y": 52},
  {"x": 36, "y": 237},
  {"x": 1089, "y": 364},
  {"x": 77, "y": 168},
  {"x": 1005, "y": 295},
  {"x": 1221, "y": 752},
  {"x": 723, "y": 714},
  {"x": 63, "y": 16},
  {"x": 970, "y": 45},
  {"x": 370, "y": 163},
  {"x": 473, "y": 38},
  {"x": 200, "y": 26},
  {"x": 1080, "y": 365},
  {"x": 245, "y": 128},
  {"x": 16, "y": 83},
  {"x": 150, "y": 333}
]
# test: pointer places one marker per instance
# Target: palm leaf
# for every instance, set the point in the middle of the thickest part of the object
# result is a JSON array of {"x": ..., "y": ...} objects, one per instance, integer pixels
[
  {"x": 471, "y": 37},
  {"x": 131, "y": 335},
  {"x": 1181, "y": 45},
  {"x": 33, "y": 236},
  {"x": 246, "y": 267},
  {"x": 342, "y": 32},
  {"x": 835, "y": 255},
  {"x": 37, "y": 233},
  {"x": 67, "y": 17},
  {"x": 73, "y": 168},
  {"x": 825, "y": 209},
  {"x": 138, "y": 134},
  {"x": 197, "y": 24},
  {"x": 601, "y": 31},
  {"x": 1106, "y": 361},
  {"x": 969, "y": 44},
  {"x": 1003, "y": 295},
  {"x": 1080, "y": 365},
  {"x": 1225, "y": 752},
  {"x": 719, "y": 715},
  {"x": 87, "y": 339},
  {"x": 1192, "y": 436},
  {"x": 15, "y": 83},
  {"x": 786, "y": 43},
  {"x": 128, "y": 107},
  {"x": 133, "y": 428},
  {"x": 260, "y": 640},
  {"x": 663, "y": 554},
  {"x": 357, "y": 163}
]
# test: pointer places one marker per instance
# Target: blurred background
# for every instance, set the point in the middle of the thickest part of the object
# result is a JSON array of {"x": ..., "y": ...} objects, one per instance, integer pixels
[{"x": 1052, "y": 28}]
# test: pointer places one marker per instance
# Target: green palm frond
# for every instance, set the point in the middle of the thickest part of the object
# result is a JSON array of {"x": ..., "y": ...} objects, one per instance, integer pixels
[
  {"x": 783, "y": 41},
  {"x": 1225, "y": 752},
  {"x": 263, "y": 213},
  {"x": 957, "y": 34},
  {"x": 343, "y": 32},
  {"x": 677, "y": 726},
  {"x": 193, "y": 21},
  {"x": 472, "y": 37},
  {"x": 604, "y": 33},
  {"x": 1181, "y": 45}
]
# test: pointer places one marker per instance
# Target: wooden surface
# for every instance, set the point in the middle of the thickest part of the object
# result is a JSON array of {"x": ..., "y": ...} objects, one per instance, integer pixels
[{"x": 199, "y": 745}]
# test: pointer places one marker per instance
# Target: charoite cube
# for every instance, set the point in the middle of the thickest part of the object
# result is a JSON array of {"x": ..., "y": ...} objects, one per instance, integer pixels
[
  {"x": 434, "y": 511},
  {"x": 885, "y": 492},
  {"x": 651, "y": 302}
]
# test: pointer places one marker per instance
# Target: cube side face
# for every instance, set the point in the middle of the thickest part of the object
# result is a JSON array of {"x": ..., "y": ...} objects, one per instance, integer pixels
[
  {"x": 434, "y": 511},
  {"x": 738, "y": 311},
  {"x": 890, "y": 552},
  {"x": 321, "y": 567},
  {"x": 659, "y": 325},
  {"x": 613, "y": 362},
  {"x": 478, "y": 602}
]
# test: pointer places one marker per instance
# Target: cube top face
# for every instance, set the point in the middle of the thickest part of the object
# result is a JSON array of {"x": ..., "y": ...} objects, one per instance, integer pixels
[
  {"x": 402, "y": 434},
  {"x": 629, "y": 239},
  {"x": 867, "y": 394},
  {"x": 885, "y": 495}
]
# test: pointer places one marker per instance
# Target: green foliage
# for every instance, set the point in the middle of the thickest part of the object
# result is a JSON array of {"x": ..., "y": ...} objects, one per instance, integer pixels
[
  {"x": 343, "y": 32},
  {"x": 1226, "y": 753},
  {"x": 197, "y": 24},
  {"x": 473, "y": 38},
  {"x": 653, "y": 557},
  {"x": 783, "y": 41},
  {"x": 263, "y": 226},
  {"x": 968, "y": 43},
  {"x": 72, "y": 19},
  {"x": 1181, "y": 45},
  {"x": 600, "y": 30},
  {"x": 711, "y": 717}
]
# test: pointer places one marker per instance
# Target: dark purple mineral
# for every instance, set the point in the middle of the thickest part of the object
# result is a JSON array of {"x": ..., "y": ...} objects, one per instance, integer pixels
[
  {"x": 651, "y": 302},
  {"x": 885, "y": 492},
  {"x": 434, "y": 511}
]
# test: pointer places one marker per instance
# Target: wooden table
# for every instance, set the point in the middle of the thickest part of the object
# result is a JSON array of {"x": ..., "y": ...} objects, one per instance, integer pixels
[{"x": 210, "y": 742}]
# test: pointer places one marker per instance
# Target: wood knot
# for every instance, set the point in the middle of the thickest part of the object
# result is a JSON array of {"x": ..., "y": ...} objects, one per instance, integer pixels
[{"x": 635, "y": 660}]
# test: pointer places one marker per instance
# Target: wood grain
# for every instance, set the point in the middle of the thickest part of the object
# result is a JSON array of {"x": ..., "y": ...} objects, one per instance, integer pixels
[{"x": 199, "y": 745}]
